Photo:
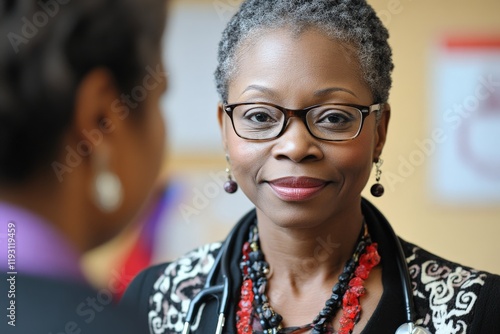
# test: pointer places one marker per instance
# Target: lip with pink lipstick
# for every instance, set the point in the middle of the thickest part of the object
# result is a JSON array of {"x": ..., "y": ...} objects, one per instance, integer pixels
[{"x": 296, "y": 189}]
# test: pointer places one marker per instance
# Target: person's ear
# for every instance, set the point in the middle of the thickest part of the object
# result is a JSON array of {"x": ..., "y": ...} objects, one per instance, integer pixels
[
  {"x": 381, "y": 131},
  {"x": 96, "y": 133},
  {"x": 220, "y": 118},
  {"x": 93, "y": 109}
]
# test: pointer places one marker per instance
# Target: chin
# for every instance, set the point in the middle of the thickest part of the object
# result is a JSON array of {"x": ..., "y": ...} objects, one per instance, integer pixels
[{"x": 297, "y": 216}]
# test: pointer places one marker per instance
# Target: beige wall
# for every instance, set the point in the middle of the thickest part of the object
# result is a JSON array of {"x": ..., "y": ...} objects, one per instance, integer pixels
[{"x": 464, "y": 234}]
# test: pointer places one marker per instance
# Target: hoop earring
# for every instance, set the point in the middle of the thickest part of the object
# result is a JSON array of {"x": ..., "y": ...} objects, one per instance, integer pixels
[
  {"x": 377, "y": 189},
  {"x": 107, "y": 187},
  {"x": 230, "y": 186}
]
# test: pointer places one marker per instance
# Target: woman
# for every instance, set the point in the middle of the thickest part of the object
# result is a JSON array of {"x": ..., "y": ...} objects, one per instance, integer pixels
[
  {"x": 81, "y": 143},
  {"x": 304, "y": 116}
]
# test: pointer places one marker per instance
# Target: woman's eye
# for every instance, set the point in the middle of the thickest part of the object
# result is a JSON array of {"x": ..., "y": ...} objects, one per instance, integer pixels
[
  {"x": 261, "y": 118},
  {"x": 262, "y": 115},
  {"x": 335, "y": 118}
]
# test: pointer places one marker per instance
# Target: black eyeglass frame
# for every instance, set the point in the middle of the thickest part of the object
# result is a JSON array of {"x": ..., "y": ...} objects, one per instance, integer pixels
[{"x": 301, "y": 113}]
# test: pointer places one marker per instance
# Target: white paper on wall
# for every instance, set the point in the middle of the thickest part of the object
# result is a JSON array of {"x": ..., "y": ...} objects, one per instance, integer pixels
[{"x": 465, "y": 167}]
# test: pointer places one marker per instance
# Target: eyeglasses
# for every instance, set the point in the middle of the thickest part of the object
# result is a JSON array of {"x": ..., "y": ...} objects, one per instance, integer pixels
[{"x": 331, "y": 121}]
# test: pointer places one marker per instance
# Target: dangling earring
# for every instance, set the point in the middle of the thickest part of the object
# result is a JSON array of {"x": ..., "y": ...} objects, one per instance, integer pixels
[
  {"x": 377, "y": 189},
  {"x": 107, "y": 187},
  {"x": 230, "y": 186}
]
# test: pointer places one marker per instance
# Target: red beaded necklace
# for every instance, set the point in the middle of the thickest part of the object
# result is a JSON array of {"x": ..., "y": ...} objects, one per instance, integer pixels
[
  {"x": 351, "y": 307},
  {"x": 254, "y": 308}
]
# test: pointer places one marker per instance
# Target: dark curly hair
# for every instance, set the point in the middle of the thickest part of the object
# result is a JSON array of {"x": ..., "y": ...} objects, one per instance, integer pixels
[
  {"x": 352, "y": 22},
  {"x": 46, "y": 49}
]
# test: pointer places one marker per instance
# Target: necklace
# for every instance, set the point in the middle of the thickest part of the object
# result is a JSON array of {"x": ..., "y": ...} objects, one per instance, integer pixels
[{"x": 346, "y": 293}]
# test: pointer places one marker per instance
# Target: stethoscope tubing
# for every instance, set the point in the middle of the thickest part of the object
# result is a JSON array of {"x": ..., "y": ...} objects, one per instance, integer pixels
[
  {"x": 404, "y": 274},
  {"x": 212, "y": 291},
  {"x": 222, "y": 260}
]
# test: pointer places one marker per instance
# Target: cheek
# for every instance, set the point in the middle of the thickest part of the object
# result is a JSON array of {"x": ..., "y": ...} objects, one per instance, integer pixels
[
  {"x": 355, "y": 164},
  {"x": 148, "y": 145},
  {"x": 158, "y": 136},
  {"x": 355, "y": 161},
  {"x": 246, "y": 159},
  {"x": 153, "y": 147}
]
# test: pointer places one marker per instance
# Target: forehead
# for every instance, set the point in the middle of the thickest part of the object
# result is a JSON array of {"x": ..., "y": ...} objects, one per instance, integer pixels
[{"x": 292, "y": 64}]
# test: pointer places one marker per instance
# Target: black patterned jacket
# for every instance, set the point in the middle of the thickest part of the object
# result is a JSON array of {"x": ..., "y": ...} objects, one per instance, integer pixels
[{"x": 449, "y": 298}]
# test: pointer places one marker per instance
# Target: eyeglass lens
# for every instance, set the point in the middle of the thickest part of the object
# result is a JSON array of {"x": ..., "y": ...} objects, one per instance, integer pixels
[{"x": 329, "y": 122}]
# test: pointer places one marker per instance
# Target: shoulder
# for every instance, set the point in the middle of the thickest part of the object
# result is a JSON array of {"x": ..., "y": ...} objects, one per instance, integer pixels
[
  {"x": 189, "y": 270},
  {"x": 194, "y": 263},
  {"x": 449, "y": 297},
  {"x": 165, "y": 291},
  {"x": 197, "y": 261},
  {"x": 53, "y": 305},
  {"x": 430, "y": 267}
]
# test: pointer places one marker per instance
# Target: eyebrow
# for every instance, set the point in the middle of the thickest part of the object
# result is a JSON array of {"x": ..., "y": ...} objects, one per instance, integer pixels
[
  {"x": 318, "y": 93},
  {"x": 260, "y": 88},
  {"x": 328, "y": 91}
]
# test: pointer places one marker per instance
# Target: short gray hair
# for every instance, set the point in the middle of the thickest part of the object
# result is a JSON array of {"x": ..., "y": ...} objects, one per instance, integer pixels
[{"x": 353, "y": 22}]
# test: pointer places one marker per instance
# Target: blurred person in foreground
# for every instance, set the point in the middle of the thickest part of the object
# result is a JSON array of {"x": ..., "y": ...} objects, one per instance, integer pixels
[
  {"x": 304, "y": 114},
  {"x": 81, "y": 144}
]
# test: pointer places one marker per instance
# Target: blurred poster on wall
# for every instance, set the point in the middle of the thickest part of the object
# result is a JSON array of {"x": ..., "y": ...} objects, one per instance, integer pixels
[{"x": 465, "y": 90}]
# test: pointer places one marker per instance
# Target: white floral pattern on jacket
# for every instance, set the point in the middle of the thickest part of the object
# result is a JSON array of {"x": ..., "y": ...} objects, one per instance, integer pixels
[
  {"x": 444, "y": 292},
  {"x": 173, "y": 291}
]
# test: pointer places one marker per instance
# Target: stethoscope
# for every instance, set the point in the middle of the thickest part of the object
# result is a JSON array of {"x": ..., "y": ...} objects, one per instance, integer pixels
[{"x": 220, "y": 292}]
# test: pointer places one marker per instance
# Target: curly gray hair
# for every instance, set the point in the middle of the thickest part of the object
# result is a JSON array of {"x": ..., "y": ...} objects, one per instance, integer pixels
[{"x": 352, "y": 22}]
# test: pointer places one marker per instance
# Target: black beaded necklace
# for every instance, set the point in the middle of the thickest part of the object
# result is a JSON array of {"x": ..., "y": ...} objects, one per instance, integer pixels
[{"x": 254, "y": 267}]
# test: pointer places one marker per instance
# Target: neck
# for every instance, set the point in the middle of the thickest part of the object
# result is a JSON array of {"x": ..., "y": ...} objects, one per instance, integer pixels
[
  {"x": 55, "y": 202},
  {"x": 319, "y": 253}
]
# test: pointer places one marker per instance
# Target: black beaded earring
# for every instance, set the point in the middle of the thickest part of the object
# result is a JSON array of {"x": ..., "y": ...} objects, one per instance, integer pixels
[
  {"x": 377, "y": 189},
  {"x": 230, "y": 186}
]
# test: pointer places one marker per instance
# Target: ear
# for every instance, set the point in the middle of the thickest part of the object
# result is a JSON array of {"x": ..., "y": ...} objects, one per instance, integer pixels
[
  {"x": 220, "y": 119},
  {"x": 93, "y": 110},
  {"x": 381, "y": 131}
]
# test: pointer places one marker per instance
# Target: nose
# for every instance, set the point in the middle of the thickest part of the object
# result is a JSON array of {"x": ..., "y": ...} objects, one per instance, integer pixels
[{"x": 297, "y": 144}]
